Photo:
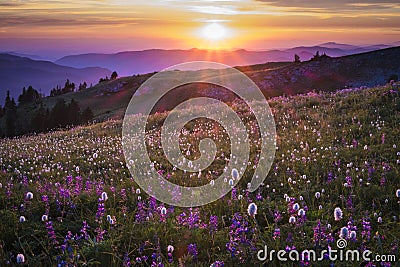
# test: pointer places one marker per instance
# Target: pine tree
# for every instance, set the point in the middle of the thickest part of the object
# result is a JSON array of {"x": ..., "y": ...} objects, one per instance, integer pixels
[
  {"x": 40, "y": 119},
  {"x": 10, "y": 108},
  {"x": 114, "y": 76},
  {"x": 73, "y": 113},
  {"x": 87, "y": 115}
]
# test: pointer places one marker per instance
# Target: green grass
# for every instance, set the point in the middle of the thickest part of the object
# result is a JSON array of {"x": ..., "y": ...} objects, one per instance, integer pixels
[{"x": 316, "y": 138}]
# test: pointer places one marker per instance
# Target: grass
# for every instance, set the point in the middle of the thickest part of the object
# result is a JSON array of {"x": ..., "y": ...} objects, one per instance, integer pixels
[{"x": 324, "y": 140}]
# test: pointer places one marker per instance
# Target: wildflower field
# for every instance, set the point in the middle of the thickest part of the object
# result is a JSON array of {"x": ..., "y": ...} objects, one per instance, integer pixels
[{"x": 68, "y": 199}]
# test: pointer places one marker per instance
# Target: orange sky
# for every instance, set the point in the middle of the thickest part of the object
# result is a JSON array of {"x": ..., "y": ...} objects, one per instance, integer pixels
[{"x": 108, "y": 26}]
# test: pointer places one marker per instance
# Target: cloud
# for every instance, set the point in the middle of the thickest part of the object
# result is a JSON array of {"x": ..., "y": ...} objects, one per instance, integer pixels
[
  {"x": 333, "y": 5},
  {"x": 214, "y": 10},
  {"x": 336, "y": 22},
  {"x": 11, "y": 20}
]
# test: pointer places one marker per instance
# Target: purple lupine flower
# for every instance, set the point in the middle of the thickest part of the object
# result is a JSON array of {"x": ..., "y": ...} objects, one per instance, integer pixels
[
  {"x": 100, "y": 210},
  {"x": 277, "y": 216},
  {"x": 277, "y": 234},
  {"x": 213, "y": 224},
  {"x": 51, "y": 233},
  {"x": 84, "y": 230},
  {"x": 349, "y": 203},
  {"x": 45, "y": 199},
  {"x": 126, "y": 260},
  {"x": 192, "y": 250},
  {"x": 366, "y": 232},
  {"x": 170, "y": 249}
]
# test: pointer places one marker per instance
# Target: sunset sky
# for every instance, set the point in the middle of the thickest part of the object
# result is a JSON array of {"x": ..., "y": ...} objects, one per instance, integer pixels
[{"x": 53, "y": 28}]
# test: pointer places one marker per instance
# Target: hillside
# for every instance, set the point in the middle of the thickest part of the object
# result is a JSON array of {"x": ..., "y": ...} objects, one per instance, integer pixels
[
  {"x": 17, "y": 72},
  {"x": 274, "y": 79},
  {"x": 334, "y": 151},
  {"x": 110, "y": 99},
  {"x": 138, "y": 62}
]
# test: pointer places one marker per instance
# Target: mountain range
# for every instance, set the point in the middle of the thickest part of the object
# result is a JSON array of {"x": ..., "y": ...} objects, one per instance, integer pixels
[
  {"x": 138, "y": 62},
  {"x": 110, "y": 99},
  {"x": 17, "y": 72}
]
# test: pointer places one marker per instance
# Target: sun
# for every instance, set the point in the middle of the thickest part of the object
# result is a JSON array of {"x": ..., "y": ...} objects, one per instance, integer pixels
[{"x": 214, "y": 31}]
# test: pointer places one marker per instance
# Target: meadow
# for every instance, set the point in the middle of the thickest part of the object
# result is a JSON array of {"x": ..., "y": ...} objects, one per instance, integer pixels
[{"x": 68, "y": 199}]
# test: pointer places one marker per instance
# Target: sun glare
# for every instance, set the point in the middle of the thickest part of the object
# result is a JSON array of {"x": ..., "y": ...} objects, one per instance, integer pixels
[{"x": 214, "y": 31}]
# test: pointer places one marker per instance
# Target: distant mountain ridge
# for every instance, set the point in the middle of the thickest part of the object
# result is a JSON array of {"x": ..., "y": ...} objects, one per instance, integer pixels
[
  {"x": 145, "y": 61},
  {"x": 17, "y": 72},
  {"x": 110, "y": 99}
]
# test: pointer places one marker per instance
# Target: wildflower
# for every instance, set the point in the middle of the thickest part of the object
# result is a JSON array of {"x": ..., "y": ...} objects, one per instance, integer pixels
[
  {"x": 218, "y": 264},
  {"x": 22, "y": 219},
  {"x": 240, "y": 197},
  {"x": 398, "y": 193},
  {"x": 127, "y": 260},
  {"x": 192, "y": 250},
  {"x": 277, "y": 233},
  {"x": 353, "y": 235},
  {"x": 212, "y": 182},
  {"x": 235, "y": 174},
  {"x": 138, "y": 191},
  {"x": 163, "y": 211},
  {"x": 20, "y": 258},
  {"x": 344, "y": 231},
  {"x": 29, "y": 195},
  {"x": 104, "y": 196},
  {"x": 317, "y": 195},
  {"x": 292, "y": 219},
  {"x": 301, "y": 212},
  {"x": 338, "y": 214},
  {"x": 320, "y": 207},
  {"x": 50, "y": 232},
  {"x": 252, "y": 209},
  {"x": 379, "y": 219},
  {"x": 170, "y": 249},
  {"x": 296, "y": 206},
  {"x": 230, "y": 182},
  {"x": 45, "y": 218}
]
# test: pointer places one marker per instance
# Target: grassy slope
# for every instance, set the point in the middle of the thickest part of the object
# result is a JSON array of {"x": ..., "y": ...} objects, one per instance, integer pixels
[
  {"x": 316, "y": 134},
  {"x": 274, "y": 79}
]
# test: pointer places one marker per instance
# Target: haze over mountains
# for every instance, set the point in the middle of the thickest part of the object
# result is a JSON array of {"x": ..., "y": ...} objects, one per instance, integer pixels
[
  {"x": 110, "y": 99},
  {"x": 19, "y": 70},
  {"x": 136, "y": 62}
]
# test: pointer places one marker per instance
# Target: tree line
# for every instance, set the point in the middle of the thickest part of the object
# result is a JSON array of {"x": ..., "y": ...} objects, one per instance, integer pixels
[
  {"x": 62, "y": 114},
  {"x": 43, "y": 119}
]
